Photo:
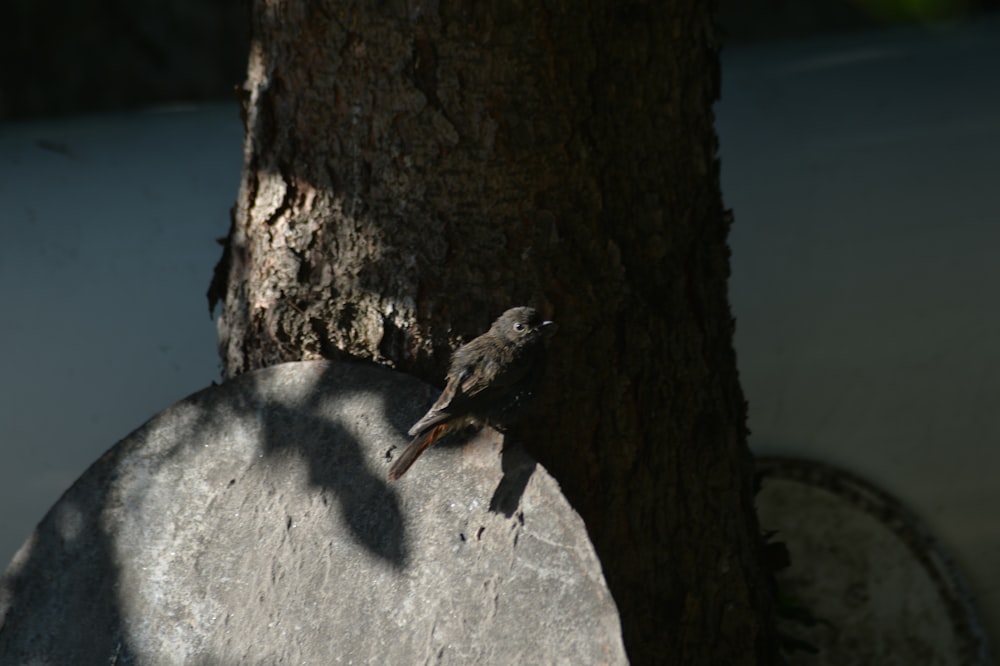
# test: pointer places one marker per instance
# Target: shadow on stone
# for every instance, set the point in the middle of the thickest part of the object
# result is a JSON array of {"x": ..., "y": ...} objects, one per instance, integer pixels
[
  {"x": 369, "y": 507},
  {"x": 517, "y": 468},
  {"x": 57, "y": 598},
  {"x": 252, "y": 523}
]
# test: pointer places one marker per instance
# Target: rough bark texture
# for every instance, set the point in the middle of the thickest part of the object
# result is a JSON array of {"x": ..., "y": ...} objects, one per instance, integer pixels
[{"x": 413, "y": 170}]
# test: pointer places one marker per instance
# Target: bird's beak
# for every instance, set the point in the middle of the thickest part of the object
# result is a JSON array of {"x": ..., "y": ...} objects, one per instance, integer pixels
[{"x": 548, "y": 328}]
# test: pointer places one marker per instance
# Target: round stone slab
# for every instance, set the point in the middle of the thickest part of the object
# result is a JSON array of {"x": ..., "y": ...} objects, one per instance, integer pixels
[
  {"x": 867, "y": 582},
  {"x": 253, "y": 523}
]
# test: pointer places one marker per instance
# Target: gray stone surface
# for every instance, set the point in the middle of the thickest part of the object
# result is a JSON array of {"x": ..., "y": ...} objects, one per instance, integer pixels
[{"x": 252, "y": 524}]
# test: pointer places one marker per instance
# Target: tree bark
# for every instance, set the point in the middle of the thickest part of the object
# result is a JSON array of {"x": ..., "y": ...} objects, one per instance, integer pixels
[{"x": 414, "y": 168}]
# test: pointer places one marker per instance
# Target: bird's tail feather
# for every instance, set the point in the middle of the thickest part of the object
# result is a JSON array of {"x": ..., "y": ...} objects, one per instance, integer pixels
[{"x": 413, "y": 450}]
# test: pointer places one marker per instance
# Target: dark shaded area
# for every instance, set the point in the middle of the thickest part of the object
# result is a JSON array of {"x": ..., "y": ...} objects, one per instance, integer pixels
[
  {"x": 70, "y": 540},
  {"x": 763, "y": 20},
  {"x": 84, "y": 55},
  {"x": 840, "y": 535},
  {"x": 71, "y": 56},
  {"x": 517, "y": 467}
]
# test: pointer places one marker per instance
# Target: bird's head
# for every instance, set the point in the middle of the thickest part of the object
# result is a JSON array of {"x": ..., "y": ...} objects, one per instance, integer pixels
[{"x": 523, "y": 325}]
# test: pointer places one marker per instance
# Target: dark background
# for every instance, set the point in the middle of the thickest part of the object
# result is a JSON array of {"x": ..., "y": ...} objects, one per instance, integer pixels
[{"x": 73, "y": 56}]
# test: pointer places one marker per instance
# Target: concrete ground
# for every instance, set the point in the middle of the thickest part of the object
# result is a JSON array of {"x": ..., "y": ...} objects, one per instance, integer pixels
[
  {"x": 107, "y": 228},
  {"x": 863, "y": 173},
  {"x": 862, "y": 170}
]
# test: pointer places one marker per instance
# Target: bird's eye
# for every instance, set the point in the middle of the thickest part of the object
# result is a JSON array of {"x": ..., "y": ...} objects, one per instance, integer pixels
[{"x": 518, "y": 326}]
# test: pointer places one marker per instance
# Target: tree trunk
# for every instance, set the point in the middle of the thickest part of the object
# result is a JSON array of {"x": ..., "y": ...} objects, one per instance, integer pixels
[{"x": 411, "y": 171}]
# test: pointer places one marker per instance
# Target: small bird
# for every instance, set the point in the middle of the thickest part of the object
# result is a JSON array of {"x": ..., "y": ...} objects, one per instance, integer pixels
[{"x": 489, "y": 378}]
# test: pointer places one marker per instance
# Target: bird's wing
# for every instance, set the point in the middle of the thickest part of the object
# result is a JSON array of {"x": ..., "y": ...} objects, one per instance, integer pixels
[
  {"x": 439, "y": 411},
  {"x": 471, "y": 384},
  {"x": 480, "y": 377}
]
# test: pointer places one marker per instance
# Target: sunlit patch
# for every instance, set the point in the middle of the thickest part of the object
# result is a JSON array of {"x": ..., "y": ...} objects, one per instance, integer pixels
[{"x": 69, "y": 521}]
